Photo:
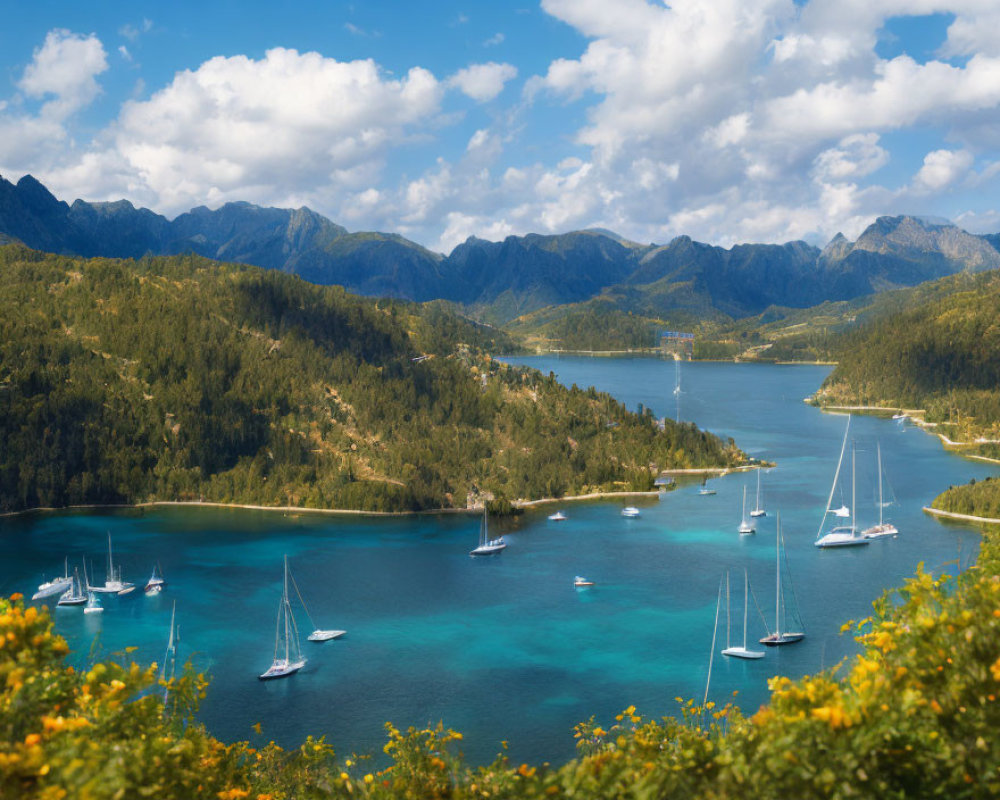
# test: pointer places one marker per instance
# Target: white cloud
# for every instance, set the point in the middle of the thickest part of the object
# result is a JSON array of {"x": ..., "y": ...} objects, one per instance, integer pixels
[
  {"x": 942, "y": 168},
  {"x": 65, "y": 66},
  {"x": 288, "y": 124},
  {"x": 494, "y": 40},
  {"x": 854, "y": 157},
  {"x": 483, "y": 82}
]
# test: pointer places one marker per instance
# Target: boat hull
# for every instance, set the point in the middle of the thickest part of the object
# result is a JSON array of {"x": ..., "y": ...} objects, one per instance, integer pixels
[
  {"x": 758, "y": 512},
  {"x": 114, "y": 587},
  {"x": 836, "y": 540},
  {"x": 742, "y": 652},
  {"x": 324, "y": 636},
  {"x": 878, "y": 531},
  {"x": 706, "y": 492},
  {"x": 93, "y": 610},
  {"x": 776, "y": 639},
  {"x": 489, "y": 549},
  {"x": 282, "y": 669},
  {"x": 630, "y": 511},
  {"x": 51, "y": 588},
  {"x": 746, "y": 530}
]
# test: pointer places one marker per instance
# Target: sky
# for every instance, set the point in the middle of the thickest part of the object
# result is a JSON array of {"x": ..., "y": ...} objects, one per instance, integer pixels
[{"x": 725, "y": 120}]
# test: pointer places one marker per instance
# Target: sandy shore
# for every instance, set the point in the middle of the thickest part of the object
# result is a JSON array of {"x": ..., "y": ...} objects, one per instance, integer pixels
[{"x": 965, "y": 517}]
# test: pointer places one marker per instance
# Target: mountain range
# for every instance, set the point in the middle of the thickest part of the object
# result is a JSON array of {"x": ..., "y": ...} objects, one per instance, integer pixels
[{"x": 499, "y": 281}]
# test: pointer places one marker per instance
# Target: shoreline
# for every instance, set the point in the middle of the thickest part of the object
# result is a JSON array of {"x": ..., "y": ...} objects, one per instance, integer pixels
[
  {"x": 351, "y": 512},
  {"x": 937, "y": 512}
]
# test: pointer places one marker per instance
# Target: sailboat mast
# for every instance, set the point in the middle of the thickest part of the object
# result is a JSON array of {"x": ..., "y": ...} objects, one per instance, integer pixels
[
  {"x": 836, "y": 475},
  {"x": 758, "y": 490},
  {"x": 746, "y": 599},
  {"x": 854, "y": 513},
  {"x": 111, "y": 568},
  {"x": 284, "y": 602},
  {"x": 777, "y": 581},
  {"x": 878, "y": 447},
  {"x": 727, "y": 609}
]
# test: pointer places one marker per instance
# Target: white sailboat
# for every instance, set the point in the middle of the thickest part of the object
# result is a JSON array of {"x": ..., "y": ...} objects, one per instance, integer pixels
[
  {"x": 288, "y": 658},
  {"x": 883, "y": 528},
  {"x": 75, "y": 595},
  {"x": 631, "y": 511},
  {"x": 155, "y": 583},
  {"x": 780, "y": 636},
  {"x": 56, "y": 585},
  {"x": 740, "y": 652},
  {"x": 113, "y": 583},
  {"x": 318, "y": 634},
  {"x": 746, "y": 527},
  {"x": 559, "y": 516},
  {"x": 841, "y": 535},
  {"x": 758, "y": 509},
  {"x": 487, "y": 546}
]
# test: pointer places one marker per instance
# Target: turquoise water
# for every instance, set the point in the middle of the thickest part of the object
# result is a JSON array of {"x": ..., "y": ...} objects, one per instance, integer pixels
[{"x": 505, "y": 648}]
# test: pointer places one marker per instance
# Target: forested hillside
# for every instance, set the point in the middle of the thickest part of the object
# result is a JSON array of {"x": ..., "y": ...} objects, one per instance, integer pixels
[
  {"x": 940, "y": 353},
  {"x": 183, "y": 379}
]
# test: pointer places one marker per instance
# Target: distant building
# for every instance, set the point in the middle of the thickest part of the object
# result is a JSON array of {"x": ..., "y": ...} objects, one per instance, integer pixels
[{"x": 678, "y": 343}]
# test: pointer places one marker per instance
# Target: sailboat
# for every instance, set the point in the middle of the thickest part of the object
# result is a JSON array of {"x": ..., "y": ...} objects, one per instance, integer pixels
[
  {"x": 318, "y": 634},
  {"x": 780, "y": 636},
  {"x": 155, "y": 583},
  {"x": 677, "y": 375},
  {"x": 287, "y": 659},
  {"x": 758, "y": 509},
  {"x": 740, "y": 652},
  {"x": 487, "y": 546},
  {"x": 746, "y": 527},
  {"x": 93, "y": 602},
  {"x": 841, "y": 535},
  {"x": 883, "y": 528},
  {"x": 75, "y": 595},
  {"x": 56, "y": 585},
  {"x": 113, "y": 583}
]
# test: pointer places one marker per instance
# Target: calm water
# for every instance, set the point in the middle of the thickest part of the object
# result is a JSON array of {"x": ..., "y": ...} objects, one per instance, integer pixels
[{"x": 504, "y": 648}]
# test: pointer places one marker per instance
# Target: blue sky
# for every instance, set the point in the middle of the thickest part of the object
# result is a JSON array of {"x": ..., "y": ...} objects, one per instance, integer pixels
[{"x": 726, "y": 120}]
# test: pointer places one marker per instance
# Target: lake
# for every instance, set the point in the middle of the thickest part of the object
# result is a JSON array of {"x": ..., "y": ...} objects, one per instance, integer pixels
[{"x": 504, "y": 648}]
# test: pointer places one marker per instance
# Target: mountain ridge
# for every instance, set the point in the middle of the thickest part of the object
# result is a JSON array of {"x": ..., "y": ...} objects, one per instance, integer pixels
[{"x": 501, "y": 281}]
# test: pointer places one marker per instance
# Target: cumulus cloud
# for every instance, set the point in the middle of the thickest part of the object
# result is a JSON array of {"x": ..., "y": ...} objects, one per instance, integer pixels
[
  {"x": 942, "y": 168},
  {"x": 483, "y": 82},
  {"x": 854, "y": 157},
  {"x": 289, "y": 124},
  {"x": 65, "y": 67}
]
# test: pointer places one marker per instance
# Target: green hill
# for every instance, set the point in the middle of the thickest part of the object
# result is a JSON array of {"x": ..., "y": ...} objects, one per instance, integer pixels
[
  {"x": 183, "y": 379},
  {"x": 935, "y": 348}
]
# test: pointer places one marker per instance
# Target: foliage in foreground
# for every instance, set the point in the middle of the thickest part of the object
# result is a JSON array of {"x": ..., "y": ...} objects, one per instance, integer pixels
[{"x": 914, "y": 715}]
